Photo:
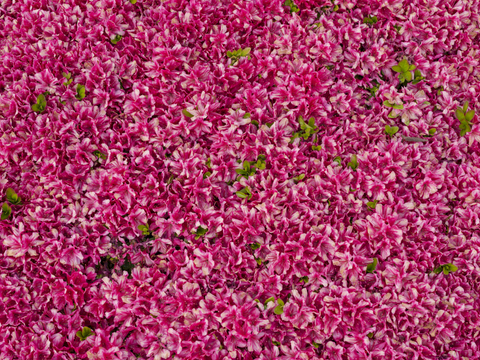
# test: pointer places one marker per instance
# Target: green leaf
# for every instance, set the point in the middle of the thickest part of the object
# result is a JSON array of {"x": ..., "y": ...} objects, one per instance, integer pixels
[
  {"x": 207, "y": 174},
  {"x": 397, "y": 27},
  {"x": 338, "y": 160},
  {"x": 278, "y": 310},
  {"x": 80, "y": 92},
  {"x": 269, "y": 125},
  {"x": 276, "y": 343},
  {"x": 459, "y": 114},
  {"x": 388, "y": 104},
  {"x": 300, "y": 177},
  {"x": 438, "y": 270},
  {"x": 315, "y": 345},
  {"x": 407, "y": 75},
  {"x": 403, "y": 65},
  {"x": 84, "y": 333},
  {"x": 229, "y": 54},
  {"x": 133, "y": 2},
  {"x": 398, "y": 106},
  {"x": 302, "y": 122},
  {"x": 448, "y": 268},
  {"x": 372, "y": 204},
  {"x": 280, "y": 302},
  {"x": 469, "y": 115},
  {"x": 464, "y": 127},
  {"x": 465, "y": 107},
  {"x": 372, "y": 266},
  {"x": 255, "y": 246},
  {"x": 392, "y": 114},
  {"x": 432, "y": 131},
  {"x": 116, "y": 39},
  {"x": 200, "y": 232},
  {"x": 6, "y": 211},
  {"x": 254, "y": 122},
  {"x": 397, "y": 69},
  {"x": 304, "y": 279},
  {"x": 12, "y": 197},
  {"x": 246, "y": 116},
  {"x": 316, "y": 148},
  {"x": 370, "y": 335},
  {"x": 209, "y": 163},
  {"x": 353, "y": 162},
  {"x": 391, "y": 130},
  {"x": 259, "y": 261},
  {"x": 41, "y": 104},
  {"x": 144, "y": 229},
  {"x": 246, "y": 51},
  {"x": 267, "y": 301},
  {"x": 401, "y": 78},
  {"x": 100, "y": 155},
  {"x": 311, "y": 123},
  {"x": 186, "y": 113},
  {"x": 412, "y": 67}
]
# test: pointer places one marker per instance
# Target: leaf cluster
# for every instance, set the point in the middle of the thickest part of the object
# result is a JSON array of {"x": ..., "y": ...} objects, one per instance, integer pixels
[
  {"x": 465, "y": 117},
  {"x": 41, "y": 104},
  {"x": 405, "y": 70},
  {"x": 307, "y": 129},
  {"x": 391, "y": 130},
  {"x": 237, "y": 54},
  {"x": 293, "y": 8},
  {"x": 245, "y": 193},
  {"x": 446, "y": 268}
]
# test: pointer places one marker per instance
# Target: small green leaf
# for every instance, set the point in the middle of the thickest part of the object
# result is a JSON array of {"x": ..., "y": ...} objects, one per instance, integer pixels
[
  {"x": 6, "y": 211},
  {"x": 465, "y": 107},
  {"x": 209, "y": 163},
  {"x": 269, "y": 125},
  {"x": 186, "y": 113},
  {"x": 469, "y": 115},
  {"x": 407, "y": 75},
  {"x": 200, "y": 232},
  {"x": 370, "y": 335},
  {"x": 278, "y": 310},
  {"x": 12, "y": 197},
  {"x": 256, "y": 300},
  {"x": 448, "y": 268},
  {"x": 403, "y": 65},
  {"x": 411, "y": 67},
  {"x": 276, "y": 343},
  {"x": 259, "y": 261},
  {"x": 401, "y": 78},
  {"x": 372, "y": 266},
  {"x": 438, "y": 270},
  {"x": 84, "y": 333},
  {"x": 133, "y": 2},
  {"x": 246, "y": 116},
  {"x": 432, "y": 131},
  {"x": 397, "y": 27},
  {"x": 254, "y": 122},
  {"x": 246, "y": 51},
  {"x": 338, "y": 160},
  {"x": 397, "y": 68},
  {"x": 398, "y": 106},
  {"x": 116, "y": 39},
  {"x": 459, "y": 114},
  {"x": 316, "y": 148},
  {"x": 255, "y": 246},
  {"x": 144, "y": 229},
  {"x": 268, "y": 300},
  {"x": 229, "y": 54},
  {"x": 41, "y": 104},
  {"x": 300, "y": 177},
  {"x": 353, "y": 162},
  {"x": 302, "y": 122},
  {"x": 464, "y": 127},
  {"x": 280, "y": 302},
  {"x": 392, "y": 114},
  {"x": 100, "y": 155},
  {"x": 388, "y": 104},
  {"x": 304, "y": 279},
  {"x": 207, "y": 174},
  {"x": 80, "y": 92},
  {"x": 315, "y": 345},
  {"x": 372, "y": 204},
  {"x": 391, "y": 130}
]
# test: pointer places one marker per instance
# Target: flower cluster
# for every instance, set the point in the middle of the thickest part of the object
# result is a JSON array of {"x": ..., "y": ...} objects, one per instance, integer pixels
[{"x": 244, "y": 179}]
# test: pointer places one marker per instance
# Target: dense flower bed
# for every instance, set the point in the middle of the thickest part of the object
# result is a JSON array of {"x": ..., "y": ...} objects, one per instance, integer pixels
[{"x": 239, "y": 179}]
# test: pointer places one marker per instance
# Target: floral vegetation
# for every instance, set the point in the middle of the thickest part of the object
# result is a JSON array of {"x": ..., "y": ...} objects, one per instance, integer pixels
[{"x": 239, "y": 179}]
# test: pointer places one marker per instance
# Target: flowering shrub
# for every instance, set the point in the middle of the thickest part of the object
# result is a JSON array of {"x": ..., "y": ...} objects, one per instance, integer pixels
[{"x": 239, "y": 179}]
